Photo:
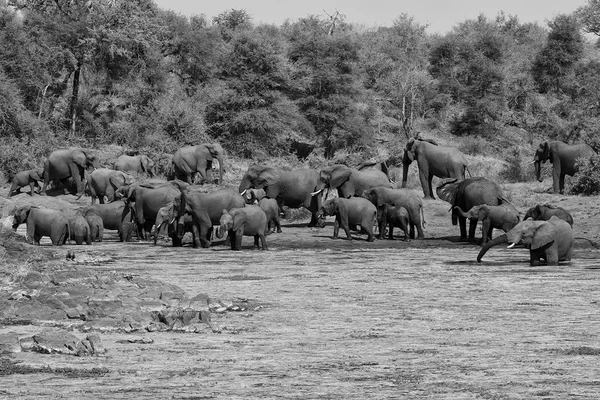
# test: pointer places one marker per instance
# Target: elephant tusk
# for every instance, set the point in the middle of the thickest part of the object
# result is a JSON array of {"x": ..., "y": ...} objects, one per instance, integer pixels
[
  {"x": 511, "y": 246},
  {"x": 316, "y": 193},
  {"x": 533, "y": 162},
  {"x": 173, "y": 220},
  {"x": 244, "y": 192}
]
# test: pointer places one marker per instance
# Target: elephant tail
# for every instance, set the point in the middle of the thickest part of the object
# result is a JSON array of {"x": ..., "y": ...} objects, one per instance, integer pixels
[
  {"x": 84, "y": 184},
  {"x": 423, "y": 217},
  {"x": 494, "y": 242}
]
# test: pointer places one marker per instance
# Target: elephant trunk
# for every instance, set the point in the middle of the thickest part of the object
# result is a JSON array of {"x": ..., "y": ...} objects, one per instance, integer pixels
[
  {"x": 221, "y": 168},
  {"x": 537, "y": 164},
  {"x": 496, "y": 241},
  {"x": 219, "y": 232},
  {"x": 462, "y": 213},
  {"x": 405, "y": 165}
]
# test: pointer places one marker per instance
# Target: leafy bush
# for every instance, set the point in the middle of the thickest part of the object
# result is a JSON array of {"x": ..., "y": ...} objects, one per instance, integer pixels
[
  {"x": 587, "y": 180},
  {"x": 513, "y": 170}
]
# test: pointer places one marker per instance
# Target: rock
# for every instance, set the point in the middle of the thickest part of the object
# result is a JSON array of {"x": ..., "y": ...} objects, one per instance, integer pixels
[
  {"x": 9, "y": 343},
  {"x": 59, "y": 342},
  {"x": 96, "y": 343}
]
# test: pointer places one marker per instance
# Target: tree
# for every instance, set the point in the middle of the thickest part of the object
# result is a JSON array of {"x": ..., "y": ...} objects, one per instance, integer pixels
[
  {"x": 589, "y": 17},
  {"x": 558, "y": 57}
]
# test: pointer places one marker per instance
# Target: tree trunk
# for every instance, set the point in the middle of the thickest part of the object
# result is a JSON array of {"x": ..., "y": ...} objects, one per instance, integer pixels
[{"x": 74, "y": 99}]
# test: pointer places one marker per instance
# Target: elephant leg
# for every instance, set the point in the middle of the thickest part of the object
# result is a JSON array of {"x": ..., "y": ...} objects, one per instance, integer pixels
[
  {"x": 13, "y": 188},
  {"x": 263, "y": 240},
  {"x": 425, "y": 182},
  {"x": 278, "y": 224},
  {"x": 176, "y": 240},
  {"x": 430, "y": 187},
  {"x": 552, "y": 254},
  {"x": 382, "y": 224},
  {"x": 391, "y": 232},
  {"x": 416, "y": 218},
  {"x": 110, "y": 195},
  {"x": 462, "y": 223},
  {"x": 204, "y": 236},
  {"x": 336, "y": 227},
  {"x": 472, "y": 228},
  {"x": 346, "y": 227},
  {"x": 369, "y": 230},
  {"x": 561, "y": 183},
  {"x": 36, "y": 240},
  {"x": 238, "y": 238}
]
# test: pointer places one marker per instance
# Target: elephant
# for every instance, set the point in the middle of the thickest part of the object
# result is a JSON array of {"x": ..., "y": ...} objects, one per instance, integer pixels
[
  {"x": 352, "y": 182},
  {"x": 294, "y": 189},
  {"x": 167, "y": 218},
  {"x": 433, "y": 160},
  {"x": 105, "y": 182},
  {"x": 191, "y": 159},
  {"x": 466, "y": 194},
  {"x": 139, "y": 163},
  {"x": 247, "y": 221},
  {"x": 351, "y": 212},
  {"x": 551, "y": 241},
  {"x": 381, "y": 166},
  {"x": 563, "y": 158},
  {"x": 79, "y": 230},
  {"x": 543, "y": 212},
  {"x": 396, "y": 217},
  {"x": 96, "y": 226},
  {"x": 66, "y": 163},
  {"x": 115, "y": 216},
  {"x": 24, "y": 178},
  {"x": 148, "y": 200},
  {"x": 42, "y": 222},
  {"x": 505, "y": 217},
  {"x": 268, "y": 205},
  {"x": 380, "y": 196},
  {"x": 206, "y": 208}
]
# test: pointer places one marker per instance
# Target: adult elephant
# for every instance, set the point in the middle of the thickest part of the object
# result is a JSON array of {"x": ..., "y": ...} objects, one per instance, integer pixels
[
  {"x": 66, "y": 163},
  {"x": 206, "y": 209},
  {"x": 42, "y": 222},
  {"x": 148, "y": 200},
  {"x": 351, "y": 182},
  {"x": 139, "y": 163},
  {"x": 115, "y": 216},
  {"x": 166, "y": 220},
  {"x": 551, "y": 241},
  {"x": 381, "y": 196},
  {"x": 467, "y": 194},
  {"x": 504, "y": 216},
  {"x": 293, "y": 189},
  {"x": 191, "y": 159},
  {"x": 543, "y": 212},
  {"x": 105, "y": 182},
  {"x": 433, "y": 160},
  {"x": 563, "y": 158}
]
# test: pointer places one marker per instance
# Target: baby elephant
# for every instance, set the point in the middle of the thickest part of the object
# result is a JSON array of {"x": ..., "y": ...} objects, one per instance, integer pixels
[
  {"x": 96, "y": 225},
  {"x": 505, "y": 217},
  {"x": 543, "y": 212},
  {"x": 395, "y": 217},
  {"x": 247, "y": 221},
  {"x": 352, "y": 211},
  {"x": 79, "y": 230},
  {"x": 24, "y": 178},
  {"x": 268, "y": 205}
]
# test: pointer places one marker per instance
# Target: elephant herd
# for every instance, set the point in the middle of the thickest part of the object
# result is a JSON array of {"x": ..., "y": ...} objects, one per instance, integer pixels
[{"x": 358, "y": 198}]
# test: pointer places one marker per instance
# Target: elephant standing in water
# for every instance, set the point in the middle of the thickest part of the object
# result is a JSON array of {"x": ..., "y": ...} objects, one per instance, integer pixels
[
  {"x": 67, "y": 163},
  {"x": 466, "y": 194},
  {"x": 563, "y": 158},
  {"x": 294, "y": 189},
  {"x": 551, "y": 241},
  {"x": 433, "y": 160},
  {"x": 191, "y": 159}
]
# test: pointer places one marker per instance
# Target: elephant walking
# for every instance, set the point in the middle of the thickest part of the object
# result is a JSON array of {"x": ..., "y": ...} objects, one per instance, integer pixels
[
  {"x": 551, "y": 241},
  {"x": 563, "y": 158},
  {"x": 247, "y": 221},
  {"x": 433, "y": 160},
  {"x": 66, "y": 163},
  {"x": 105, "y": 182},
  {"x": 139, "y": 163},
  {"x": 352, "y": 182},
  {"x": 24, "y": 178},
  {"x": 351, "y": 212},
  {"x": 191, "y": 159}
]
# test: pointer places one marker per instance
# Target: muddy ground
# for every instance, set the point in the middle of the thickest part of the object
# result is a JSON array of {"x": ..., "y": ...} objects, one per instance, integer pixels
[{"x": 317, "y": 317}]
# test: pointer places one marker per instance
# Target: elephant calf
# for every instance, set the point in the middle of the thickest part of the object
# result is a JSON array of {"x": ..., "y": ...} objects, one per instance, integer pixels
[
  {"x": 505, "y": 217},
  {"x": 96, "y": 226},
  {"x": 393, "y": 216},
  {"x": 42, "y": 222},
  {"x": 543, "y": 212},
  {"x": 79, "y": 230},
  {"x": 24, "y": 178},
  {"x": 350, "y": 212},
  {"x": 247, "y": 221}
]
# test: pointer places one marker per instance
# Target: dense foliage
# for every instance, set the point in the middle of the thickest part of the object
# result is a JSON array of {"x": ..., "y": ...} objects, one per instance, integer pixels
[{"x": 124, "y": 72}]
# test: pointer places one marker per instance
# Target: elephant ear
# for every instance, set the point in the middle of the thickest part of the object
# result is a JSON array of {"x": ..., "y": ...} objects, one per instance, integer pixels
[
  {"x": 239, "y": 219},
  {"x": 144, "y": 162},
  {"x": 483, "y": 213},
  {"x": 448, "y": 189},
  {"x": 267, "y": 177},
  {"x": 22, "y": 213},
  {"x": 338, "y": 176},
  {"x": 544, "y": 235},
  {"x": 214, "y": 149}
]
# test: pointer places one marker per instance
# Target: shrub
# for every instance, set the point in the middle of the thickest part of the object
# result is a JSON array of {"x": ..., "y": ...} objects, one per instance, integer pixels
[
  {"x": 587, "y": 180},
  {"x": 513, "y": 170}
]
